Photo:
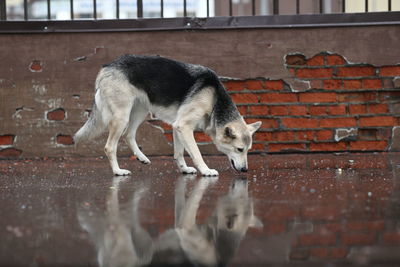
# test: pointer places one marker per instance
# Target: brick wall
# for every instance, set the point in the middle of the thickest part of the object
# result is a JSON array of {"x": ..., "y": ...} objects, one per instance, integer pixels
[{"x": 327, "y": 104}]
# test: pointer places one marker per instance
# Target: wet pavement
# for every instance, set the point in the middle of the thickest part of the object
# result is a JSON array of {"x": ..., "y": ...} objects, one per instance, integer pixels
[{"x": 288, "y": 210}]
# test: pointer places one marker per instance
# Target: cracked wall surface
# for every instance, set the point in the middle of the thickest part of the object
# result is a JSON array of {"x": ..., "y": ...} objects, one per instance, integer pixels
[{"x": 308, "y": 86}]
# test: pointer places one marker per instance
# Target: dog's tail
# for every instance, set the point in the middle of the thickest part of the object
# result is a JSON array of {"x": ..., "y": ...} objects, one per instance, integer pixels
[{"x": 93, "y": 127}]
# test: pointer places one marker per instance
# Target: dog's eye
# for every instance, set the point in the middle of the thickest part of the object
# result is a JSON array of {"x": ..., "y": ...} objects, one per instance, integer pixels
[{"x": 240, "y": 150}]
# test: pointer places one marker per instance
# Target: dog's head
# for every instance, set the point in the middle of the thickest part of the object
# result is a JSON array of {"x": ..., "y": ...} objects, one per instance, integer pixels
[{"x": 234, "y": 139}]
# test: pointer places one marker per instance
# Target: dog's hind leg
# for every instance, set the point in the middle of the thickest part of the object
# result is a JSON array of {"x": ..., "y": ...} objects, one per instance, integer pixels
[
  {"x": 117, "y": 126},
  {"x": 179, "y": 150},
  {"x": 138, "y": 114}
]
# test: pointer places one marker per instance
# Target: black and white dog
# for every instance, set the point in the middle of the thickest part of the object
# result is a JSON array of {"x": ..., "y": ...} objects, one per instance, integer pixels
[{"x": 189, "y": 97}]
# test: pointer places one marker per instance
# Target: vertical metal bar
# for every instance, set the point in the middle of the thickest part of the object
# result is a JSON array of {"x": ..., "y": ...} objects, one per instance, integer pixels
[
  {"x": 48, "y": 10},
  {"x": 184, "y": 8},
  {"x": 3, "y": 10},
  {"x": 276, "y": 7},
  {"x": 366, "y": 5},
  {"x": 94, "y": 9},
  {"x": 162, "y": 8},
  {"x": 25, "y": 9},
  {"x": 389, "y": 5},
  {"x": 117, "y": 8},
  {"x": 343, "y": 6},
  {"x": 253, "y": 7},
  {"x": 71, "y": 3},
  {"x": 321, "y": 7},
  {"x": 230, "y": 8},
  {"x": 297, "y": 7},
  {"x": 140, "y": 8},
  {"x": 208, "y": 8}
]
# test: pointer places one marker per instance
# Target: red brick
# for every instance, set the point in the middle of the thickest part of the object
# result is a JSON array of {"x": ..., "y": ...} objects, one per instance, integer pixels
[
  {"x": 318, "y": 60},
  {"x": 278, "y": 97},
  {"x": 274, "y": 228},
  {"x": 377, "y": 121},
  {"x": 286, "y": 147},
  {"x": 320, "y": 253},
  {"x": 245, "y": 98},
  {"x": 296, "y": 59},
  {"x": 169, "y": 137},
  {"x": 36, "y": 66},
  {"x": 283, "y": 136},
  {"x": 352, "y": 84},
  {"x": 278, "y": 110},
  {"x": 338, "y": 253},
  {"x": 300, "y": 123},
  {"x": 378, "y": 108},
  {"x": 304, "y": 135},
  {"x": 259, "y": 110},
  {"x": 323, "y": 212},
  {"x": 372, "y": 84},
  {"x": 317, "y": 84},
  {"x": 266, "y": 123},
  {"x": 337, "y": 146},
  {"x": 56, "y": 115},
  {"x": 7, "y": 139},
  {"x": 64, "y": 140},
  {"x": 243, "y": 110},
  {"x": 235, "y": 85},
  {"x": 263, "y": 136},
  {"x": 335, "y": 60},
  {"x": 317, "y": 97},
  {"x": 368, "y": 145},
  {"x": 338, "y": 122},
  {"x": 357, "y": 97},
  {"x": 280, "y": 213},
  {"x": 257, "y": 147},
  {"x": 391, "y": 238},
  {"x": 358, "y": 239},
  {"x": 254, "y": 84},
  {"x": 318, "y": 110},
  {"x": 358, "y": 109},
  {"x": 324, "y": 135},
  {"x": 10, "y": 152},
  {"x": 356, "y": 71},
  {"x": 314, "y": 73},
  {"x": 390, "y": 71},
  {"x": 297, "y": 110},
  {"x": 274, "y": 85},
  {"x": 313, "y": 239},
  {"x": 337, "y": 110},
  {"x": 332, "y": 84},
  {"x": 201, "y": 137},
  {"x": 365, "y": 225}
]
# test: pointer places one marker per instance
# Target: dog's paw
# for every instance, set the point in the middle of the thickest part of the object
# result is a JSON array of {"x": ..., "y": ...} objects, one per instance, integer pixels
[
  {"x": 210, "y": 172},
  {"x": 143, "y": 160},
  {"x": 122, "y": 172},
  {"x": 188, "y": 170}
]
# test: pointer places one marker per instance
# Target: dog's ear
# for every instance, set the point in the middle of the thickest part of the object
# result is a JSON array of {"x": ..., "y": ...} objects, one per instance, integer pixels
[
  {"x": 229, "y": 133},
  {"x": 253, "y": 127}
]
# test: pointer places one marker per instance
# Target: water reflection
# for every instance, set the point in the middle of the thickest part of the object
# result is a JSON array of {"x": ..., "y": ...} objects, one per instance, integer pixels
[{"x": 121, "y": 239}]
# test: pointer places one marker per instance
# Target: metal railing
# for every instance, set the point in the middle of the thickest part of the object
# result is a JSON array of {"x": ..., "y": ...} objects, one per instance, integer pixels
[{"x": 320, "y": 19}]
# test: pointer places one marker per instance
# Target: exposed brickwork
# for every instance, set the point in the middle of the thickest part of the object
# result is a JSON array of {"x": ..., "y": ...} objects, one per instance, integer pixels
[
  {"x": 66, "y": 140},
  {"x": 56, "y": 114},
  {"x": 6, "y": 140}
]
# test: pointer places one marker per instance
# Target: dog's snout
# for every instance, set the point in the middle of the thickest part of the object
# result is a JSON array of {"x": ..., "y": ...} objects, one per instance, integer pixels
[{"x": 244, "y": 169}]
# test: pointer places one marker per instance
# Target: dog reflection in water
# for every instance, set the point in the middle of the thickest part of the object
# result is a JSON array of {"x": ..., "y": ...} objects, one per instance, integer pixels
[{"x": 122, "y": 241}]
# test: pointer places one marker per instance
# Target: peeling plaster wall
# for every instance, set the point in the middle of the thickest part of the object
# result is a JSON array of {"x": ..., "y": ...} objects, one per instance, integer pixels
[{"x": 46, "y": 80}]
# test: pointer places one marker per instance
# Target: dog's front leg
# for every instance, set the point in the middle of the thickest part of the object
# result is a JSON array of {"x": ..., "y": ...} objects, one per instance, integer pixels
[
  {"x": 185, "y": 135},
  {"x": 179, "y": 151}
]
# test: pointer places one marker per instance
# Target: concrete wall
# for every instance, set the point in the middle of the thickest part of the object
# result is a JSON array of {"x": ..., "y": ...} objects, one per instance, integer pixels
[{"x": 46, "y": 80}]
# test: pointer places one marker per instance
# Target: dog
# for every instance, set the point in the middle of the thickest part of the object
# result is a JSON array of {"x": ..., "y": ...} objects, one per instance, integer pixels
[{"x": 189, "y": 97}]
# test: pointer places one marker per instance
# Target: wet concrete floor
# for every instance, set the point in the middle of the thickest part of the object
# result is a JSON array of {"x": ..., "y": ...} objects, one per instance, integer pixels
[{"x": 288, "y": 210}]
